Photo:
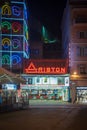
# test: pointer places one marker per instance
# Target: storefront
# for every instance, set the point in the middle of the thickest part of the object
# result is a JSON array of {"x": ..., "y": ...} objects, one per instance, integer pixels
[
  {"x": 46, "y": 80},
  {"x": 78, "y": 89},
  {"x": 8, "y": 94},
  {"x": 47, "y": 87},
  {"x": 81, "y": 94},
  {"x": 11, "y": 97}
]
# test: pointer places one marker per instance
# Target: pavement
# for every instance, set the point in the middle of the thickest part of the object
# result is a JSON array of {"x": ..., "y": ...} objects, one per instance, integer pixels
[
  {"x": 46, "y": 117},
  {"x": 54, "y": 104}
]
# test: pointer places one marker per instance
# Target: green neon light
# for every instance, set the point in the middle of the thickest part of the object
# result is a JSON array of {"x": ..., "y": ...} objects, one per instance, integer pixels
[
  {"x": 6, "y": 24},
  {"x": 46, "y": 37},
  {"x": 6, "y": 59}
]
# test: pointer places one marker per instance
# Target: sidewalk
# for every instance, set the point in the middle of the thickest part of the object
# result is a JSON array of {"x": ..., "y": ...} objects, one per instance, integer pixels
[{"x": 53, "y": 104}]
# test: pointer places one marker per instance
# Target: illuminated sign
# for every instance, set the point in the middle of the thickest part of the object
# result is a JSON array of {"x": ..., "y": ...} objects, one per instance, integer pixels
[
  {"x": 6, "y": 10},
  {"x": 45, "y": 70},
  {"x": 9, "y": 86},
  {"x": 5, "y": 26},
  {"x": 15, "y": 59},
  {"x": 14, "y": 34},
  {"x": 16, "y": 43},
  {"x": 6, "y": 59},
  {"x": 16, "y": 27},
  {"x": 6, "y": 42},
  {"x": 16, "y": 10}
]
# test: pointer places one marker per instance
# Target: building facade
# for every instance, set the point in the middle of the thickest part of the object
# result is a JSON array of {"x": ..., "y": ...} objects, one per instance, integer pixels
[
  {"x": 14, "y": 45},
  {"x": 74, "y": 39},
  {"x": 46, "y": 80}
]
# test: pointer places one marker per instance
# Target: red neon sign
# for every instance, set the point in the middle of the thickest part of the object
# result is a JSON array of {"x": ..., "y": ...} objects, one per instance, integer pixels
[{"x": 44, "y": 70}]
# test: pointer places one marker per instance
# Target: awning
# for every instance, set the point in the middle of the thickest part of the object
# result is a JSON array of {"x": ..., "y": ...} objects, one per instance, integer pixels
[{"x": 9, "y": 77}]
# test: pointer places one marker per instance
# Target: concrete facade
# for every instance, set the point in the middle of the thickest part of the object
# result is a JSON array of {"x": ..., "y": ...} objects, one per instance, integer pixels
[{"x": 74, "y": 39}]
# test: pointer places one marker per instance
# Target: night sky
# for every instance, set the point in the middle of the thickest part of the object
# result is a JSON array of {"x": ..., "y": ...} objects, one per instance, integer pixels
[{"x": 48, "y": 12}]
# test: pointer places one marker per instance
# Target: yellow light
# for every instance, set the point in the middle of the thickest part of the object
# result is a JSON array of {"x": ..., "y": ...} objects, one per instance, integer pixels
[{"x": 75, "y": 73}]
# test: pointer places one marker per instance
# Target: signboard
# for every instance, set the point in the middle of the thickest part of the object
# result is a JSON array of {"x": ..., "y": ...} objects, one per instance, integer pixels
[
  {"x": 45, "y": 68},
  {"x": 9, "y": 86}
]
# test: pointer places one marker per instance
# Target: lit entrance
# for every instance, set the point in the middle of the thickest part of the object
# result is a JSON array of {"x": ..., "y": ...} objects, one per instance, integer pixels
[
  {"x": 81, "y": 94},
  {"x": 47, "y": 87}
]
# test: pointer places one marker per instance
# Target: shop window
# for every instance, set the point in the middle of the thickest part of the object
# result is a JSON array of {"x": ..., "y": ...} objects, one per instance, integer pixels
[
  {"x": 45, "y": 80},
  {"x": 29, "y": 80},
  {"x": 38, "y": 80},
  {"x": 34, "y": 91},
  {"x": 61, "y": 81}
]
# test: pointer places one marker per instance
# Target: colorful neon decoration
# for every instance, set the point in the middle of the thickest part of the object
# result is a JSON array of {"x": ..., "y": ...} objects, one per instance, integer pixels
[
  {"x": 16, "y": 43},
  {"x": 26, "y": 47},
  {"x": 6, "y": 59},
  {"x": 26, "y": 31},
  {"x": 14, "y": 35},
  {"x": 44, "y": 70},
  {"x": 6, "y": 42},
  {"x": 6, "y": 26},
  {"x": 6, "y": 10},
  {"x": 46, "y": 37},
  {"x": 25, "y": 14},
  {"x": 15, "y": 59},
  {"x": 16, "y": 11},
  {"x": 16, "y": 27},
  {"x": 27, "y": 35}
]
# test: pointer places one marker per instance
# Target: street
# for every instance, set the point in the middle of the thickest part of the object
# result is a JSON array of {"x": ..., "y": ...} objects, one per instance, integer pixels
[{"x": 62, "y": 117}]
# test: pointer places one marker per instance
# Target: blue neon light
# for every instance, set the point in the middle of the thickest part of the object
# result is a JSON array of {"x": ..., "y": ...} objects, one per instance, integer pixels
[
  {"x": 15, "y": 59},
  {"x": 19, "y": 3},
  {"x": 16, "y": 43},
  {"x": 18, "y": 19},
  {"x": 6, "y": 46},
  {"x": 16, "y": 11},
  {"x": 17, "y": 40}
]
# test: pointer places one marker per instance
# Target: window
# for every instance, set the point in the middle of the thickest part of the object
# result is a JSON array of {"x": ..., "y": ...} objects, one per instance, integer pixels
[
  {"x": 78, "y": 51},
  {"x": 81, "y": 51},
  {"x": 38, "y": 80},
  {"x": 83, "y": 34},
  {"x": 82, "y": 69},
  {"x": 85, "y": 51},
  {"x": 29, "y": 80},
  {"x": 81, "y": 19},
  {"x": 45, "y": 79}
]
